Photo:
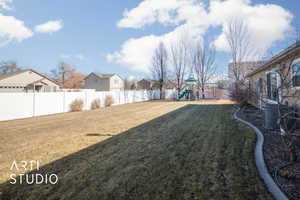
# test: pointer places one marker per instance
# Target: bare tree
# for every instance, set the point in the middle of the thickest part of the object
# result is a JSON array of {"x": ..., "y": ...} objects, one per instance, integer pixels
[
  {"x": 204, "y": 64},
  {"x": 61, "y": 72},
  {"x": 294, "y": 34},
  {"x": 9, "y": 67},
  {"x": 129, "y": 84},
  {"x": 288, "y": 116},
  {"x": 180, "y": 59},
  {"x": 74, "y": 79},
  {"x": 67, "y": 76},
  {"x": 159, "y": 66},
  {"x": 239, "y": 41}
]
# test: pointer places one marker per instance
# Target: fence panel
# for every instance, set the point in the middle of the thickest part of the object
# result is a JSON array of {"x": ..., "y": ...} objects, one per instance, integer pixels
[
  {"x": 23, "y": 105},
  {"x": 16, "y": 105},
  {"x": 48, "y": 103}
]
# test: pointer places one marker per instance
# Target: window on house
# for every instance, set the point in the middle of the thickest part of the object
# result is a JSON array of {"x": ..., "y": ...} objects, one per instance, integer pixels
[
  {"x": 296, "y": 74},
  {"x": 272, "y": 86},
  {"x": 259, "y": 87},
  {"x": 116, "y": 82}
]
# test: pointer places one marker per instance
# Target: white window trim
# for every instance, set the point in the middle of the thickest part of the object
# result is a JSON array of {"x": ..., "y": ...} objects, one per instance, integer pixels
[
  {"x": 278, "y": 85},
  {"x": 270, "y": 101},
  {"x": 259, "y": 80},
  {"x": 294, "y": 87},
  {"x": 256, "y": 82}
]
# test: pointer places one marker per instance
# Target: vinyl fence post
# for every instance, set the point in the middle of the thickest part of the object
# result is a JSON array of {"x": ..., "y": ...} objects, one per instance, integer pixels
[
  {"x": 86, "y": 103},
  {"x": 64, "y": 101},
  {"x": 33, "y": 109}
]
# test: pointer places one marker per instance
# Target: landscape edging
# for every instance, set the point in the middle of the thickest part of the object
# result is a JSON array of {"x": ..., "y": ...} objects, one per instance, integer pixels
[{"x": 260, "y": 162}]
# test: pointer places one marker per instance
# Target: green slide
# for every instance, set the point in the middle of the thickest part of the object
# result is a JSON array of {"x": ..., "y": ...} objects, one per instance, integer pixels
[{"x": 184, "y": 94}]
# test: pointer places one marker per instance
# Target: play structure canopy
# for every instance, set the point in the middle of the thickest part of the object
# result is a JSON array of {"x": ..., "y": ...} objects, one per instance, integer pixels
[{"x": 191, "y": 80}]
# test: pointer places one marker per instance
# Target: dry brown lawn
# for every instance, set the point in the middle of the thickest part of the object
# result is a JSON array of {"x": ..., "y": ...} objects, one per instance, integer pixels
[
  {"x": 151, "y": 150},
  {"x": 49, "y": 138}
]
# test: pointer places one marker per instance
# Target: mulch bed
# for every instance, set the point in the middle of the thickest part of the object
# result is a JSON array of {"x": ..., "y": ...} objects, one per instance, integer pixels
[{"x": 276, "y": 157}]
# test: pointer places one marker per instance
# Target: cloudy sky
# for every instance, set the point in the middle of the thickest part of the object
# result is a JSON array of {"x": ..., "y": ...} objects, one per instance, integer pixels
[{"x": 119, "y": 36}]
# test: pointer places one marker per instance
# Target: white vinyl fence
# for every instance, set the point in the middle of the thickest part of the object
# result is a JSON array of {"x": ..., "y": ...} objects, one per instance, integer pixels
[{"x": 23, "y": 105}]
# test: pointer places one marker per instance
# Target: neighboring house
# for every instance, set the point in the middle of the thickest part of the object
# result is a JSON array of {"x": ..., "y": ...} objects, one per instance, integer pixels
[
  {"x": 148, "y": 84},
  {"x": 265, "y": 81},
  {"x": 211, "y": 85},
  {"x": 223, "y": 84},
  {"x": 104, "y": 82},
  {"x": 144, "y": 84},
  {"x": 171, "y": 84},
  {"x": 242, "y": 69},
  {"x": 27, "y": 81},
  {"x": 130, "y": 84}
]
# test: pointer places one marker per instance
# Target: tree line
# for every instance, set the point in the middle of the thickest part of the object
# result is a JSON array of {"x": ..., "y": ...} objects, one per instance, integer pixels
[{"x": 182, "y": 59}]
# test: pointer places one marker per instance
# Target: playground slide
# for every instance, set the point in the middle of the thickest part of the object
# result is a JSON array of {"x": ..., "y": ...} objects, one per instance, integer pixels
[{"x": 184, "y": 94}]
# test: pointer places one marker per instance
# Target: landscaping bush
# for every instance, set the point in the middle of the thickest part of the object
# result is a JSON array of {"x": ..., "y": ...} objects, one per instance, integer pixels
[
  {"x": 109, "y": 100},
  {"x": 76, "y": 105},
  {"x": 96, "y": 104},
  {"x": 240, "y": 94}
]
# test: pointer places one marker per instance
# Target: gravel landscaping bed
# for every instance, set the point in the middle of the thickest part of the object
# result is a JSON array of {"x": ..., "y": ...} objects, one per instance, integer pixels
[{"x": 285, "y": 173}]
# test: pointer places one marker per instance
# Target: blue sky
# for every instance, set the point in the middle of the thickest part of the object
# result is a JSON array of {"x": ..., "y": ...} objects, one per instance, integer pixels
[{"x": 91, "y": 31}]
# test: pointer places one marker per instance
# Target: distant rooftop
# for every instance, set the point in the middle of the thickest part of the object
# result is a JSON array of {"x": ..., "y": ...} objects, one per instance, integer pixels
[
  {"x": 101, "y": 75},
  {"x": 4, "y": 76}
]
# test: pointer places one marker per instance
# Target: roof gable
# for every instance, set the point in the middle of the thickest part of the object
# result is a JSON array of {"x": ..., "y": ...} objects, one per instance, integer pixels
[
  {"x": 102, "y": 76},
  {"x": 6, "y": 76}
]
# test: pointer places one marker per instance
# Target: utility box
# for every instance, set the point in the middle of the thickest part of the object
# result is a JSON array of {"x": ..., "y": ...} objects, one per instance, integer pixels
[{"x": 270, "y": 116}]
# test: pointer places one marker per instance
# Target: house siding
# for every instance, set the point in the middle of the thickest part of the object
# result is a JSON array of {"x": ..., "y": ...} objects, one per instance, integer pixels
[
  {"x": 263, "y": 76},
  {"x": 144, "y": 85},
  {"x": 116, "y": 83},
  {"x": 99, "y": 84}
]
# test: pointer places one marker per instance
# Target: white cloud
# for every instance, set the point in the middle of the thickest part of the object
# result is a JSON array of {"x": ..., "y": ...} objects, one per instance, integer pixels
[
  {"x": 79, "y": 57},
  {"x": 165, "y": 12},
  {"x": 5, "y": 4},
  {"x": 136, "y": 52},
  {"x": 131, "y": 78},
  {"x": 267, "y": 22},
  {"x": 49, "y": 27},
  {"x": 219, "y": 77},
  {"x": 12, "y": 29},
  {"x": 133, "y": 53}
]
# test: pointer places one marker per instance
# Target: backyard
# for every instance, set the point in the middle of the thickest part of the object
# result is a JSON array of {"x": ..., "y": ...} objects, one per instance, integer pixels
[{"x": 150, "y": 150}]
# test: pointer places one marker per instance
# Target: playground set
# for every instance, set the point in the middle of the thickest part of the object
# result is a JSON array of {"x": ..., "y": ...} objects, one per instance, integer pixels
[{"x": 191, "y": 93}]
